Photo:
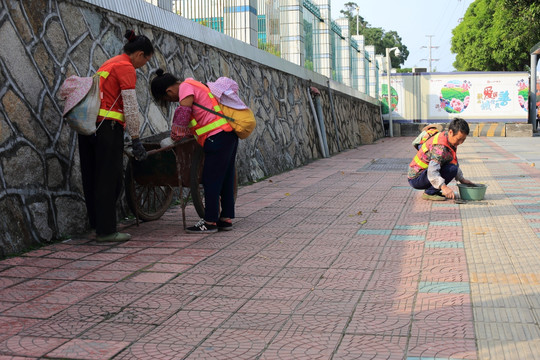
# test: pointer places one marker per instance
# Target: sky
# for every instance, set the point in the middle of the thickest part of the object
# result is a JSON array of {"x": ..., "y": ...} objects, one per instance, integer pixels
[{"x": 413, "y": 20}]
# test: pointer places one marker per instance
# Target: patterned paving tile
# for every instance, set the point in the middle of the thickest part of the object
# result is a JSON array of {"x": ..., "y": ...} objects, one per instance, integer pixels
[
  {"x": 14, "y": 295},
  {"x": 39, "y": 284},
  {"x": 10, "y": 326},
  {"x": 317, "y": 323},
  {"x": 295, "y": 344},
  {"x": 178, "y": 334},
  {"x": 285, "y": 307},
  {"x": 132, "y": 287},
  {"x": 354, "y": 347},
  {"x": 197, "y": 318},
  {"x": 111, "y": 298},
  {"x": 88, "y": 349},
  {"x": 204, "y": 303},
  {"x": 55, "y": 328},
  {"x": 441, "y": 348},
  {"x": 407, "y": 237},
  {"x": 444, "y": 244},
  {"x": 118, "y": 332},
  {"x": 445, "y": 223},
  {"x": 33, "y": 309},
  {"x": 411, "y": 227},
  {"x": 279, "y": 293},
  {"x": 60, "y": 297},
  {"x": 64, "y": 274},
  {"x": 373, "y": 232},
  {"x": 5, "y": 305},
  {"x": 446, "y": 313},
  {"x": 234, "y": 343},
  {"x": 144, "y": 351},
  {"x": 444, "y": 287},
  {"x": 29, "y": 345},
  {"x": 111, "y": 276},
  {"x": 394, "y": 323},
  {"x": 7, "y": 282},
  {"x": 88, "y": 313},
  {"x": 256, "y": 321},
  {"x": 443, "y": 329},
  {"x": 152, "y": 277},
  {"x": 22, "y": 271}
]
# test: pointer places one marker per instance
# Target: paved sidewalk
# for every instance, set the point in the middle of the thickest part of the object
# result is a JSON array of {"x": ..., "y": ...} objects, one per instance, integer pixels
[{"x": 339, "y": 259}]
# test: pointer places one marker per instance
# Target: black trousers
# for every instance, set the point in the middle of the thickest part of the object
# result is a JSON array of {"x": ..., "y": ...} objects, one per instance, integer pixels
[
  {"x": 102, "y": 168},
  {"x": 218, "y": 175}
]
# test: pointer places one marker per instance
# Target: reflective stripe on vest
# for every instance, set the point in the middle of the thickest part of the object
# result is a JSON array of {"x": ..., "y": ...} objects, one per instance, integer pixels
[
  {"x": 211, "y": 126},
  {"x": 111, "y": 114},
  {"x": 201, "y": 130},
  {"x": 103, "y": 74}
]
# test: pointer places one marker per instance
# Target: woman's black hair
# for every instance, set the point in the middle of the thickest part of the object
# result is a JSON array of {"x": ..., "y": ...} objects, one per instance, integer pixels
[
  {"x": 160, "y": 83},
  {"x": 137, "y": 43}
]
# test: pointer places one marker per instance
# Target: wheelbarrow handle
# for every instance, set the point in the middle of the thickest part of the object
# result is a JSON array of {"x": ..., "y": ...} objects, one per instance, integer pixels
[{"x": 128, "y": 150}]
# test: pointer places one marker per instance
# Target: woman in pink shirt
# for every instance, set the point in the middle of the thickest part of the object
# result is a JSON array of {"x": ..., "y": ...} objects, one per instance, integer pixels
[{"x": 217, "y": 138}]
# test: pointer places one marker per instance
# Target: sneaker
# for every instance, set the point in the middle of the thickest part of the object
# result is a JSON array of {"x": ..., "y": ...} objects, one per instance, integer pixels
[
  {"x": 202, "y": 228},
  {"x": 434, "y": 197},
  {"x": 224, "y": 225},
  {"x": 114, "y": 237}
]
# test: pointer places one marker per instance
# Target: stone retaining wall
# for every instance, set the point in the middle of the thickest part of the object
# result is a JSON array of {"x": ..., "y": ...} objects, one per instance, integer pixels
[{"x": 44, "y": 41}]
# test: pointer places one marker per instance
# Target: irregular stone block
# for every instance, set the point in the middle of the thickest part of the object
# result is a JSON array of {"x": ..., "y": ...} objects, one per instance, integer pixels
[
  {"x": 28, "y": 126},
  {"x": 23, "y": 169},
  {"x": 20, "y": 67}
]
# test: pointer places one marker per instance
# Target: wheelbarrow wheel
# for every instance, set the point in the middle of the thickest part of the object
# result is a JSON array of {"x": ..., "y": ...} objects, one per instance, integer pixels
[
  {"x": 147, "y": 202},
  {"x": 197, "y": 189}
]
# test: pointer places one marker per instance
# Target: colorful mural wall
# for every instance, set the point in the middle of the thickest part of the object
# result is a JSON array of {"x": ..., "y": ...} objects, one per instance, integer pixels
[{"x": 474, "y": 96}]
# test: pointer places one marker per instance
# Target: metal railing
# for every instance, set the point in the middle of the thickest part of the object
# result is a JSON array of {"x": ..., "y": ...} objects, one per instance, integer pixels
[{"x": 320, "y": 40}]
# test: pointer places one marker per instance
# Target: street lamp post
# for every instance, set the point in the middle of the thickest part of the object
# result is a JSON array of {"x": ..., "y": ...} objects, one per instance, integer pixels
[
  {"x": 357, "y": 17},
  {"x": 388, "y": 63}
]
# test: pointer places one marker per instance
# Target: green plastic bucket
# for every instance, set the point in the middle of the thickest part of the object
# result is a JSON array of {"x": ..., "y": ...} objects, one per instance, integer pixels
[{"x": 474, "y": 193}]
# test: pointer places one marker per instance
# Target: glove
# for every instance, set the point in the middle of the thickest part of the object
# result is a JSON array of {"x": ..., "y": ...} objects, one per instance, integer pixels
[{"x": 138, "y": 149}]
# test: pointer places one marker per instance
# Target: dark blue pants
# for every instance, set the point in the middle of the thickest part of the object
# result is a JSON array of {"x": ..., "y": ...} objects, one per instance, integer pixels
[
  {"x": 218, "y": 175},
  {"x": 421, "y": 182},
  {"x": 102, "y": 169}
]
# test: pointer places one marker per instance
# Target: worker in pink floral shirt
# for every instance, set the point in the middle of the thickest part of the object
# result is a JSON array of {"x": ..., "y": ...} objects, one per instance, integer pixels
[
  {"x": 213, "y": 133},
  {"x": 436, "y": 165}
]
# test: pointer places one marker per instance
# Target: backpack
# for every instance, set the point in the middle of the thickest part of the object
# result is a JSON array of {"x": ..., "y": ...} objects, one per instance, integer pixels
[
  {"x": 242, "y": 121},
  {"x": 238, "y": 115},
  {"x": 82, "y": 97},
  {"x": 427, "y": 133},
  {"x": 82, "y": 102}
]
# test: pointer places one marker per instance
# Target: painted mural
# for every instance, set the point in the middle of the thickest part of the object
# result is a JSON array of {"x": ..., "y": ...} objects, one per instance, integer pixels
[
  {"x": 477, "y": 96},
  {"x": 454, "y": 96},
  {"x": 394, "y": 98}
]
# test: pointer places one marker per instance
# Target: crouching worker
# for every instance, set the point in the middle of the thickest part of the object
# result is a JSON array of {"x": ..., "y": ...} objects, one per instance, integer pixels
[{"x": 436, "y": 165}]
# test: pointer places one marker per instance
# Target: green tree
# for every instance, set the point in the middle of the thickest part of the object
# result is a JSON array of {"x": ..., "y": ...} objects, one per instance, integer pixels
[
  {"x": 496, "y": 35},
  {"x": 376, "y": 36}
]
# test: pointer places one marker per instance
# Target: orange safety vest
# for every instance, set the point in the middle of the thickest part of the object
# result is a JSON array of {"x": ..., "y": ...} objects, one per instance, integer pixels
[
  {"x": 116, "y": 112},
  {"x": 201, "y": 131},
  {"x": 421, "y": 160}
]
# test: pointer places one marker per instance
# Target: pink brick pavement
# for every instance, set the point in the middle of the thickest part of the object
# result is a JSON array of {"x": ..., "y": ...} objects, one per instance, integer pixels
[{"x": 339, "y": 259}]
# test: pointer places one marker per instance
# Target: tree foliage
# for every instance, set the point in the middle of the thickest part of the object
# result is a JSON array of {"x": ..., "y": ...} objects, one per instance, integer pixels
[
  {"x": 376, "y": 36},
  {"x": 496, "y": 35}
]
